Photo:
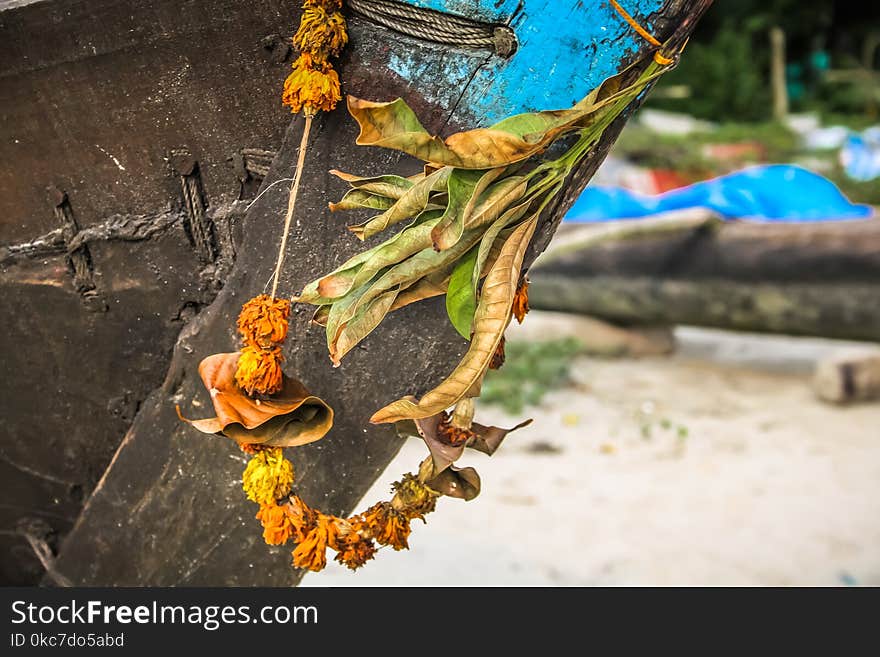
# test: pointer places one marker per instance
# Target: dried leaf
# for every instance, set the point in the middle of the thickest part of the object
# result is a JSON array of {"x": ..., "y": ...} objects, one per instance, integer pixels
[
  {"x": 463, "y": 186},
  {"x": 463, "y": 483},
  {"x": 398, "y": 277},
  {"x": 361, "y": 325},
  {"x": 395, "y": 125},
  {"x": 495, "y": 201},
  {"x": 321, "y": 315},
  {"x": 493, "y": 241},
  {"x": 413, "y": 202},
  {"x": 490, "y": 320},
  {"x": 389, "y": 186},
  {"x": 289, "y": 418},
  {"x": 489, "y": 439},
  {"x": 443, "y": 455},
  {"x": 357, "y": 199},
  {"x": 407, "y": 242},
  {"x": 432, "y": 285}
]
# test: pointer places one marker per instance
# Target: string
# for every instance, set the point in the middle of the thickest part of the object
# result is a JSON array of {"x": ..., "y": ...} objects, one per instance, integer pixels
[
  {"x": 642, "y": 32},
  {"x": 291, "y": 202}
]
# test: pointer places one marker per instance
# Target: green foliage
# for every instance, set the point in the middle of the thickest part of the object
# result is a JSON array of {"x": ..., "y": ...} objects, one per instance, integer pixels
[
  {"x": 725, "y": 77},
  {"x": 530, "y": 371}
]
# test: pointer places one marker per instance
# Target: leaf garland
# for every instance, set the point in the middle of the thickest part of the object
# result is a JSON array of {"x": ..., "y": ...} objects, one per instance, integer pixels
[{"x": 464, "y": 216}]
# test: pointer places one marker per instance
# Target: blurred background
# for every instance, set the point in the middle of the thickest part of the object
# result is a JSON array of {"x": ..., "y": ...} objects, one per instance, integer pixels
[{"x": 701, "y": 360}]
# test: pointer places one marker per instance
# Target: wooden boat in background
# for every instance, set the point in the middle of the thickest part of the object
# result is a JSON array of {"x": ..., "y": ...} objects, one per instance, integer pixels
[{"x": 134, "y": 138}]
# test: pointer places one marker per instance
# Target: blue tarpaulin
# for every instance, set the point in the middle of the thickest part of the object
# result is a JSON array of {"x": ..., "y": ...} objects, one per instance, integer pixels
[{"x": 777, "y": 192}]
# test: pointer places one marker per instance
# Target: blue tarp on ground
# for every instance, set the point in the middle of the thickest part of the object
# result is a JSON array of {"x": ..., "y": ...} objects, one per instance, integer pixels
[{"x": 777, "y": 192}]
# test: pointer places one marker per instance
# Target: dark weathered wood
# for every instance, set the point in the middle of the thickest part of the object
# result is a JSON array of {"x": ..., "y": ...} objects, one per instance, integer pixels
[
  {"x": 802, "y": 279},
  {"x": 94, "y": 99},
  {"x": 848, "y": 311},
  {"x": 169, "y": 509}
]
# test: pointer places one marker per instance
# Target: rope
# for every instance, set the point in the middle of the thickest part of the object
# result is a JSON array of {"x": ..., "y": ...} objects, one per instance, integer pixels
[
  {"x": 436, "y": 26},
  {"x": 642, "y": 32}
]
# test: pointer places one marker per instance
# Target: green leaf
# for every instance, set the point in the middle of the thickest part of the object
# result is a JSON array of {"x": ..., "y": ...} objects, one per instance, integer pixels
[
  {"x": 461, "y": 296},
  {"x": 463, "y": 185}
]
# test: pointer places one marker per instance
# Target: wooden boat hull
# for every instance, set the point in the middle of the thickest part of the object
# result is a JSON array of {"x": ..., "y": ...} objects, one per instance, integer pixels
[{"x": 134, "y": 138}]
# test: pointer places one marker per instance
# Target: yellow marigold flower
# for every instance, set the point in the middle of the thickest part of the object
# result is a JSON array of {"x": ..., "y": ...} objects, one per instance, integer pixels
[
  {"x": 259, "y": 370},
  {"x": 312, "y": 86},
  {"x": 521, "y": 301},
  {"x": 321, "y": 32},
  {"x": 415, "y": 498},
  {"x": 387, "y": 526},
  {"x": 311, "y": 553},
  {"x": 267, "y": 477},
  {"x": 498, "y": 357},
  {"x": 263, "y": 321},
  {"x": 277, "y": 528}
]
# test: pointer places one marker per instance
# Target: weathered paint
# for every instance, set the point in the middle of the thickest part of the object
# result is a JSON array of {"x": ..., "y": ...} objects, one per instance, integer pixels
[{"x": 563, "y": 53}]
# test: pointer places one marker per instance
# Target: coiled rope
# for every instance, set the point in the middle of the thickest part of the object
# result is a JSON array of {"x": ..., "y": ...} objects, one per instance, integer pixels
[{"x": 437, "y": 26}]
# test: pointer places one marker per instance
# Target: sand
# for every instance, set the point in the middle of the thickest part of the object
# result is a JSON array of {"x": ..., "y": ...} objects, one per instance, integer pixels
[{"x": 716, "y": 466}]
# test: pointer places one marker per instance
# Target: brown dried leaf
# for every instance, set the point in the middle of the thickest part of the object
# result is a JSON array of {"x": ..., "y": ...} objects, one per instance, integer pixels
[
  {"x": 388, "y": 186},
  {"x": 412, "y": 203},
  {"x": 463, "y": 483},
  {"x": 361, "y": 325},
  {"x": 485, "y": 439},
  {"x": 288, "y": 418}
]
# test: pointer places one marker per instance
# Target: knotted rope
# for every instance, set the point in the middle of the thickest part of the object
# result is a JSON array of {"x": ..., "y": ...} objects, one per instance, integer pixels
[{"x": 436, "y": 26}]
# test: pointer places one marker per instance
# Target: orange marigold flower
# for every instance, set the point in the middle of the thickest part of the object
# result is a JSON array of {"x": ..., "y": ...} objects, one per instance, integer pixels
[
  {"x": 387, "y": 526},
  {"x": 277, "y": 528},
  {"x": 498, "y": 357},
  {"x": 312, "y": 86},
  {"x": 521, "y": 301},
  {"x": 302, "y": 518},
  {"x": 353, "y": 549},
  {"x": 259, "y": 370},
  {"x": 415, "y": 498},
  {"x": 251, "y": 448},
  {"x": 321, "y": 32},
  {"x": 311, "y": 553},
  {"x": 263, "y": 321}
]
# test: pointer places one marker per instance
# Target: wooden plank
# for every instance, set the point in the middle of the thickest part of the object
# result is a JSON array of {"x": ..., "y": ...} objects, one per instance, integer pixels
[{"x": 818, "y": 279}]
